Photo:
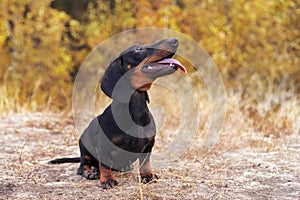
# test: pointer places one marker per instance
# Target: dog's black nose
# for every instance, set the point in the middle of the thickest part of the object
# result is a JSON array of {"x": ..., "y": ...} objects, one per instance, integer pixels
[{"x": 173, "y": 41}]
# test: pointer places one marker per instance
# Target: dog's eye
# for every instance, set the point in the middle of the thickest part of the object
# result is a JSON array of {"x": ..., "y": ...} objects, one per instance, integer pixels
[{"x": 139, "y": 49}]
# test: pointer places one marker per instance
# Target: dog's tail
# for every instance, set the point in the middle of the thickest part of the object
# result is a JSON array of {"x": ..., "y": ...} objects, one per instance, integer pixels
[{"x": 65, "y": 160}]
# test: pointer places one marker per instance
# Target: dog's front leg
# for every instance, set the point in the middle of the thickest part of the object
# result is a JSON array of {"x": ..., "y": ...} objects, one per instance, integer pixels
[
  {"x": 107, "y": 179},
  {"x": 146, "y": 172}
]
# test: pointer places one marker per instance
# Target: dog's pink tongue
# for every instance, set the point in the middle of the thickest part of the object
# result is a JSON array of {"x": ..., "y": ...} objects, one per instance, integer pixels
[{"x": 172, "y": 61}]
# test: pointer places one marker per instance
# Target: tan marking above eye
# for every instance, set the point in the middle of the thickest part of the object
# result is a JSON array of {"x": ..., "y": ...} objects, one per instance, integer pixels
[{"x": 129, "y": 67}]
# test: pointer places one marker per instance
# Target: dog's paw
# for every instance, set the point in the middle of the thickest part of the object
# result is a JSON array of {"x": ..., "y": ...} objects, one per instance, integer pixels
[
  {"x": 150, "y": 178},
  {"x": 109, "y": 183},
  {"x": 91, "y": 174}
]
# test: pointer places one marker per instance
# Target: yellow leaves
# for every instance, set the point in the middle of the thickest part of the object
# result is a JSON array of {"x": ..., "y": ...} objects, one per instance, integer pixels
[
  {"x": 64, "y": 67},
  {"x": 3, "y": 31},
  {"x": 240, "y": 35},
  {"x": 39, "y": 60},
  {"x": 213, "y": 29}
]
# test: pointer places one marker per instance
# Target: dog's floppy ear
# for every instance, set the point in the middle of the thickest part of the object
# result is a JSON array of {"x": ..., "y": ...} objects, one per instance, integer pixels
[
  {"x": 111, "y": 76},
  {"x": 115, "y": 82}
]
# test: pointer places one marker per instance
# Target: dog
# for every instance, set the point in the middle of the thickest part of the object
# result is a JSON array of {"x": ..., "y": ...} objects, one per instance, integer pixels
[{"x": 125, "y": 131}]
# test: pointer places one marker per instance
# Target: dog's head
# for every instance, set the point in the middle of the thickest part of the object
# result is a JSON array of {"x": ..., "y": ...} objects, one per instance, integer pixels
[{"x": 139, "y": 65}]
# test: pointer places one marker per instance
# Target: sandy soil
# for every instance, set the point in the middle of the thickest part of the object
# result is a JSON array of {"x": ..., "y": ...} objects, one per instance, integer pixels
[{"x": 30, "y": 140}]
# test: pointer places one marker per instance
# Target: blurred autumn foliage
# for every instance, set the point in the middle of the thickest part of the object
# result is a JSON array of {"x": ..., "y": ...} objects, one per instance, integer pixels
[{"x": 255, "y": 44}]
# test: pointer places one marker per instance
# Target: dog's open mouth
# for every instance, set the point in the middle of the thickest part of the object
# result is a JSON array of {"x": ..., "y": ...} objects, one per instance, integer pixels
[{"x": 163, "y": 67}]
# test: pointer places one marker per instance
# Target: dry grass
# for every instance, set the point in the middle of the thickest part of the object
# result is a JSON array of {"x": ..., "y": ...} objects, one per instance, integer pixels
[{"x": 257, "y": 156}]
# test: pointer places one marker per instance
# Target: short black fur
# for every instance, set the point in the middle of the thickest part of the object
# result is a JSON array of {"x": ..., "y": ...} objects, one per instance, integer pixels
[{"x": 137, "y": 131}]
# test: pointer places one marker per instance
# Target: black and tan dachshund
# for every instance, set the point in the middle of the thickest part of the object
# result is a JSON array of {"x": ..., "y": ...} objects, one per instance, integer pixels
[{"x": 125, "y": 131}]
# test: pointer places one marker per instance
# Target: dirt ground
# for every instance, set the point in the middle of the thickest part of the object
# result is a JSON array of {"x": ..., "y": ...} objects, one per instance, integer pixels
[{"x": 30, "y": 140}]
